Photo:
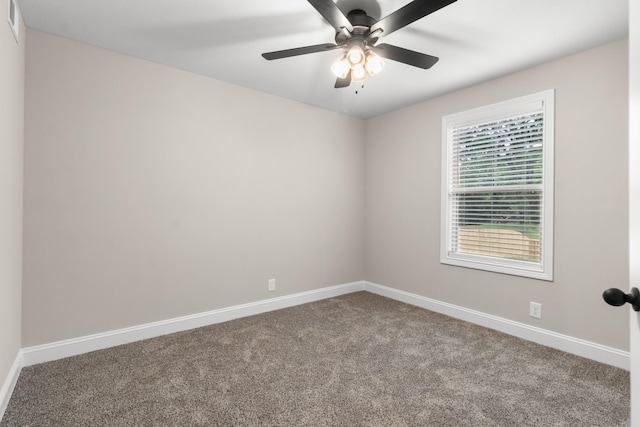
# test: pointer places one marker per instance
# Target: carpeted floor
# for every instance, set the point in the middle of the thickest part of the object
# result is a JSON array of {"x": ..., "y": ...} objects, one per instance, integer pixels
[{"x": 355, "y": 360}]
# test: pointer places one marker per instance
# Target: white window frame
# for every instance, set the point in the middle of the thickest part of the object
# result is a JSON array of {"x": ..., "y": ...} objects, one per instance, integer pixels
[{"x": 542, "y": 101}]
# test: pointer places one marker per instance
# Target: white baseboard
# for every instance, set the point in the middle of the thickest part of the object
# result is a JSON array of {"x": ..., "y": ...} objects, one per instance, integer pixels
[
  {"x": 10, "y": 383},
  {"x": 75, "y": 346},
  {"x": 579, "y": 347},
  {"x": 72, "y": 347}
]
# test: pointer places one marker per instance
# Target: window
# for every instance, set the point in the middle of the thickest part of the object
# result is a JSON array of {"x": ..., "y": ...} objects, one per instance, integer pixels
[{"x": 497, "y": 187}]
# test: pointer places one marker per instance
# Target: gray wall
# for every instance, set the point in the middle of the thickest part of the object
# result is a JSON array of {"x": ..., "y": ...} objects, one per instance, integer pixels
[
  {"x": 152, "y": 193},
  {"x": 591, "y": 254},
  {"x": 12, "y": 57}
]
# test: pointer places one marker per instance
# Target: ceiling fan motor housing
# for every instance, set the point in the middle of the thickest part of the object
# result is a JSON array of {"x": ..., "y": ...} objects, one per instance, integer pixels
[{"x": 361, "y": 23}]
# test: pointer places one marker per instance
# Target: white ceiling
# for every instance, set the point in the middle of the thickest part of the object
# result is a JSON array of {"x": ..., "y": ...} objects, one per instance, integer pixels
[{"x": 223, "y": 39}]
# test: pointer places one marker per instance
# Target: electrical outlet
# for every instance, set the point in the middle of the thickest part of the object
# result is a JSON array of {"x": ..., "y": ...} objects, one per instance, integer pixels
[
  {"x": 535, "y": 310},
  {"x": 272, "y": 285}
]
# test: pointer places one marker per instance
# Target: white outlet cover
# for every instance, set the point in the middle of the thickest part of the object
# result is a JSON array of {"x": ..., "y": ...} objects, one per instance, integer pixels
[{"x": 535, "y": 310}]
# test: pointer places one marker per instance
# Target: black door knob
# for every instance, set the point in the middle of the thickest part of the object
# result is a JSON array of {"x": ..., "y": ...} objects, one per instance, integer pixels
[{"x": 617, "y": 297}]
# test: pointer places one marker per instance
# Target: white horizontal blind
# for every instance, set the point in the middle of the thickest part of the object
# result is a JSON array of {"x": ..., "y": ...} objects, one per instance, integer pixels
[
  {"x": 496, "y": 194},
  {"x": 495, "y": 188}
]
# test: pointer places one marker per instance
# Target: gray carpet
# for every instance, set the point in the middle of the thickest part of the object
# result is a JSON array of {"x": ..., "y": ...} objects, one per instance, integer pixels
[{"x": 354, "y": 360}]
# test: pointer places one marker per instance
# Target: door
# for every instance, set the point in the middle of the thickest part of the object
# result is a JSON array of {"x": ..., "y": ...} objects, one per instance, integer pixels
[{"x": 634, "y": 200}]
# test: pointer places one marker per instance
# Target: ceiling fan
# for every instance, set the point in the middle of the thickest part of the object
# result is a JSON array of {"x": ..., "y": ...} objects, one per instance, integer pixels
[{"x": 357, "y": 34}]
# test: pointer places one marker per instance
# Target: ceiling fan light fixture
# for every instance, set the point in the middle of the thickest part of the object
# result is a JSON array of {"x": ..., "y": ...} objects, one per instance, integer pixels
[
  {"x": 374, "y": 63},
  {"x": 341, "y": 67},
  {"x": 357, "y": 34}
]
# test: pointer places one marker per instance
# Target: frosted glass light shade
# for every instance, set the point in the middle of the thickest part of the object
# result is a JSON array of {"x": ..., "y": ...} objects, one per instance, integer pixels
[
  {"x": 355, "y": 56},
  {"x": 358, "y": 73},
  {"x": 341, "y": 68},
  {"x": 374, "y": 64}
]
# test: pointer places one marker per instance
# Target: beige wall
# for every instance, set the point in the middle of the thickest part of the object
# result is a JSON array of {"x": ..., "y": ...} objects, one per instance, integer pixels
[
  {"x": 152, "y": 193},
  {"x": 403, "y": 200},
  {"x": 12, "y": 58}
]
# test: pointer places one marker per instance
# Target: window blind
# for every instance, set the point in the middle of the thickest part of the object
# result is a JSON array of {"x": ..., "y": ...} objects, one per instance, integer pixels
[{"x": 496, "y": 188}]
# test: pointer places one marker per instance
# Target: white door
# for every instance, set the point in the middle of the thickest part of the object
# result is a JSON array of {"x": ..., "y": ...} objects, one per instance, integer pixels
[{"x": 634, "y": 199}]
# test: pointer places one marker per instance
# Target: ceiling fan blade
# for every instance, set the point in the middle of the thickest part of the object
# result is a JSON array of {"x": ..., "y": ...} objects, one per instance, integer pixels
[
  {"x": 330, "y": 11},
  {"x": 410, "y": 13},
  {"x": 299, "y": 51},
  {"x": 405, "y": 56},
  {"x": 343, "y": 82}
]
